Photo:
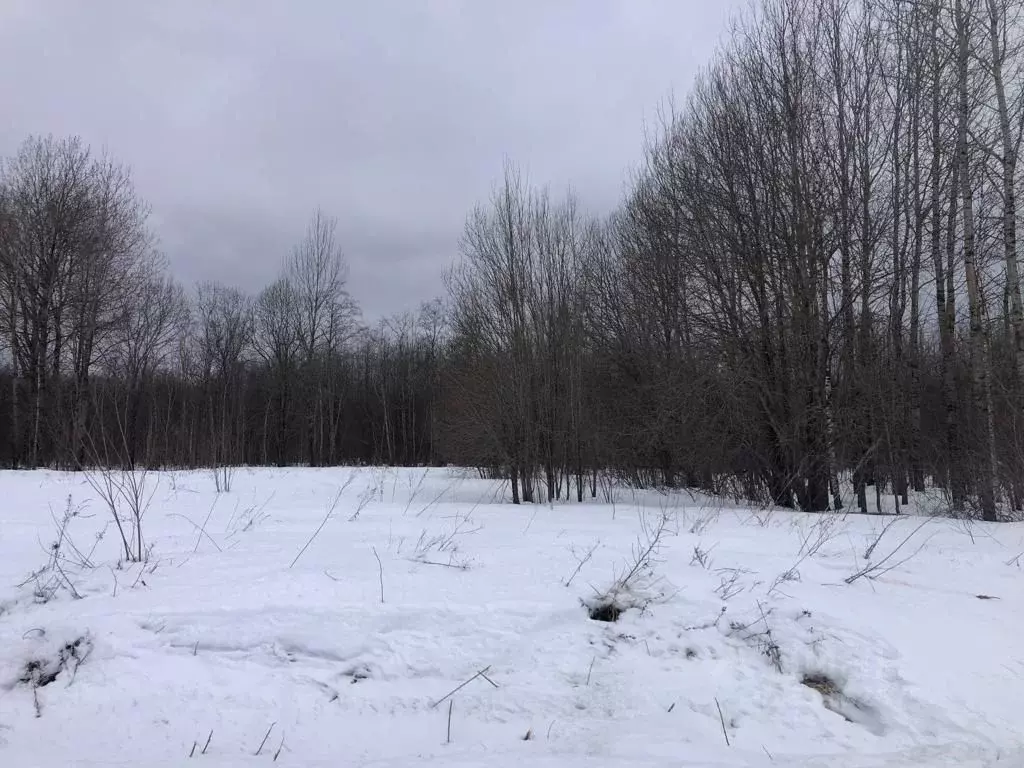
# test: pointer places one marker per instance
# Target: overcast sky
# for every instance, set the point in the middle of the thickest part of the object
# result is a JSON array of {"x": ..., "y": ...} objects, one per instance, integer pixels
[{"x": 240, "y": 117}]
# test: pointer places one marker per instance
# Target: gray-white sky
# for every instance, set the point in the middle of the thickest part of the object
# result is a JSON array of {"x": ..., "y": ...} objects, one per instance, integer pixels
[{"x": 240, "y": 117}]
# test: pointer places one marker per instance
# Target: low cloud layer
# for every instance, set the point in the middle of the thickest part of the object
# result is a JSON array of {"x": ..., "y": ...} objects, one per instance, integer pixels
[{"x": 239, "y": 117}]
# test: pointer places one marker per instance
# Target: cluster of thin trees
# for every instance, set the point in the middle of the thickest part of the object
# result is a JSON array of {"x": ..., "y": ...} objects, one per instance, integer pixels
[
  {"x": 106, "y": 360},
  {"x": 811, "y": 289},
  {"x": 814, "y": 278}
]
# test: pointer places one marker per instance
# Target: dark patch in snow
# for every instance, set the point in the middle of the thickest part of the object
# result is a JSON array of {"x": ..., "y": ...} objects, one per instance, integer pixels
[
  {"x": 358, "y": 673},
  {"x": 605, "y": 611},
  {"x": 39, "y": 673},
  {"x": 823, "y": 684},
  {"x": 851, "y": 709}
]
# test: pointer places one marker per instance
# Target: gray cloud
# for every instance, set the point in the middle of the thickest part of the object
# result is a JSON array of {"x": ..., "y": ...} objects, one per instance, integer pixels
[{"x": 240, "y": 117}]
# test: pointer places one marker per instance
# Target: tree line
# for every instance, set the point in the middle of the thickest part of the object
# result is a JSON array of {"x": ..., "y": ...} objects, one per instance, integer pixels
[
  {"x": 813, "y": 284},
  {"x": 810, "y": 289},
  {"x": 107, "y": 360}
]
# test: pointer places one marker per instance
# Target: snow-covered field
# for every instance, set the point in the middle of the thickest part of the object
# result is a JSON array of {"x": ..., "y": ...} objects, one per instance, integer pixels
[{"x": 747, "y": 646}]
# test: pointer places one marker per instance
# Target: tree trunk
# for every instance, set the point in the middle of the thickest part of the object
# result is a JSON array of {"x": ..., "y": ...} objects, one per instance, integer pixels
[{"x": 980, "y": 368}]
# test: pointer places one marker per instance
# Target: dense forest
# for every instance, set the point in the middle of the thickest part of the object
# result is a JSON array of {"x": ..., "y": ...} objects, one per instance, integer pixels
[{"x": 810, "y": 289}]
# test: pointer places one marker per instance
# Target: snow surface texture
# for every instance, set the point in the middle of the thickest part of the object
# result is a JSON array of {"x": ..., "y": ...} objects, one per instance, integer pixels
[{"x": 742, "y": 628}]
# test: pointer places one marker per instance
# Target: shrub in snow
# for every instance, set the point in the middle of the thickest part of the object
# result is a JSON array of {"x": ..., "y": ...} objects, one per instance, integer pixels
[
  {"x": 223, "y": 477},
  {"x": 759, "y": 634},
  {"x": 40, "y": 672},
  {"x": 127, "y": 495},
  {"x": 443, "y": 548},
  {"x": 51, "y": 658},
  {"x": 65, "y": 561},
  {"x": 638, "y": 585}
]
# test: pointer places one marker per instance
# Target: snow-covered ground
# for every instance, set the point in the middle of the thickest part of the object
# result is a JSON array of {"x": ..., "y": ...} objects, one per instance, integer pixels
[{"x": 419, "y": 582}]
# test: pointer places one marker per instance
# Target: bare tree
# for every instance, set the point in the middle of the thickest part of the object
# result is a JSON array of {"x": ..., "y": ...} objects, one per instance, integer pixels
[
  {"x": 223, "y": 335},
  {"x": 276, "y": 341},
  {"x": 325, "y": 320},
  {"x": 74, "y": 232},
  {"x": 979, "y": 361}
]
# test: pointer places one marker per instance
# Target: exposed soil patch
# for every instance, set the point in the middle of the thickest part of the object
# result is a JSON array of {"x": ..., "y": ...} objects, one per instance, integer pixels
[
  {"x": 602, "y": 611},
  {"x": 823, "y": 684},
  {"x": 851, "y": 709}
]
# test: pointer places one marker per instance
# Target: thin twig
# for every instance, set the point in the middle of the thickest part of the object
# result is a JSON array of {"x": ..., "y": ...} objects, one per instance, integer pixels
[
  {"x": 316, "y": 533},
  {"x": 206, "y": 522},
  {"x": 483, "y": 672},
  {"x": 206, "y": 746},
  {"x": 380, "y": 568},
  {"x": 530, "y": 524},
  {"x": 721, "y": 717},
  {"x": 878, "y": 539},
  {"x": 138, "y": 577},
  {"x": 265, "y": 737},
  {"x": 873, "y": 570},
  {"x": 451, "y": 704},
  {"x": 456, "y": 566},
  {"x": 580, "y": 562},
  {"x": 280, "y": 746},
  {"x": 67, "y": 581},
  {"x": 202, "y": 531}
]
